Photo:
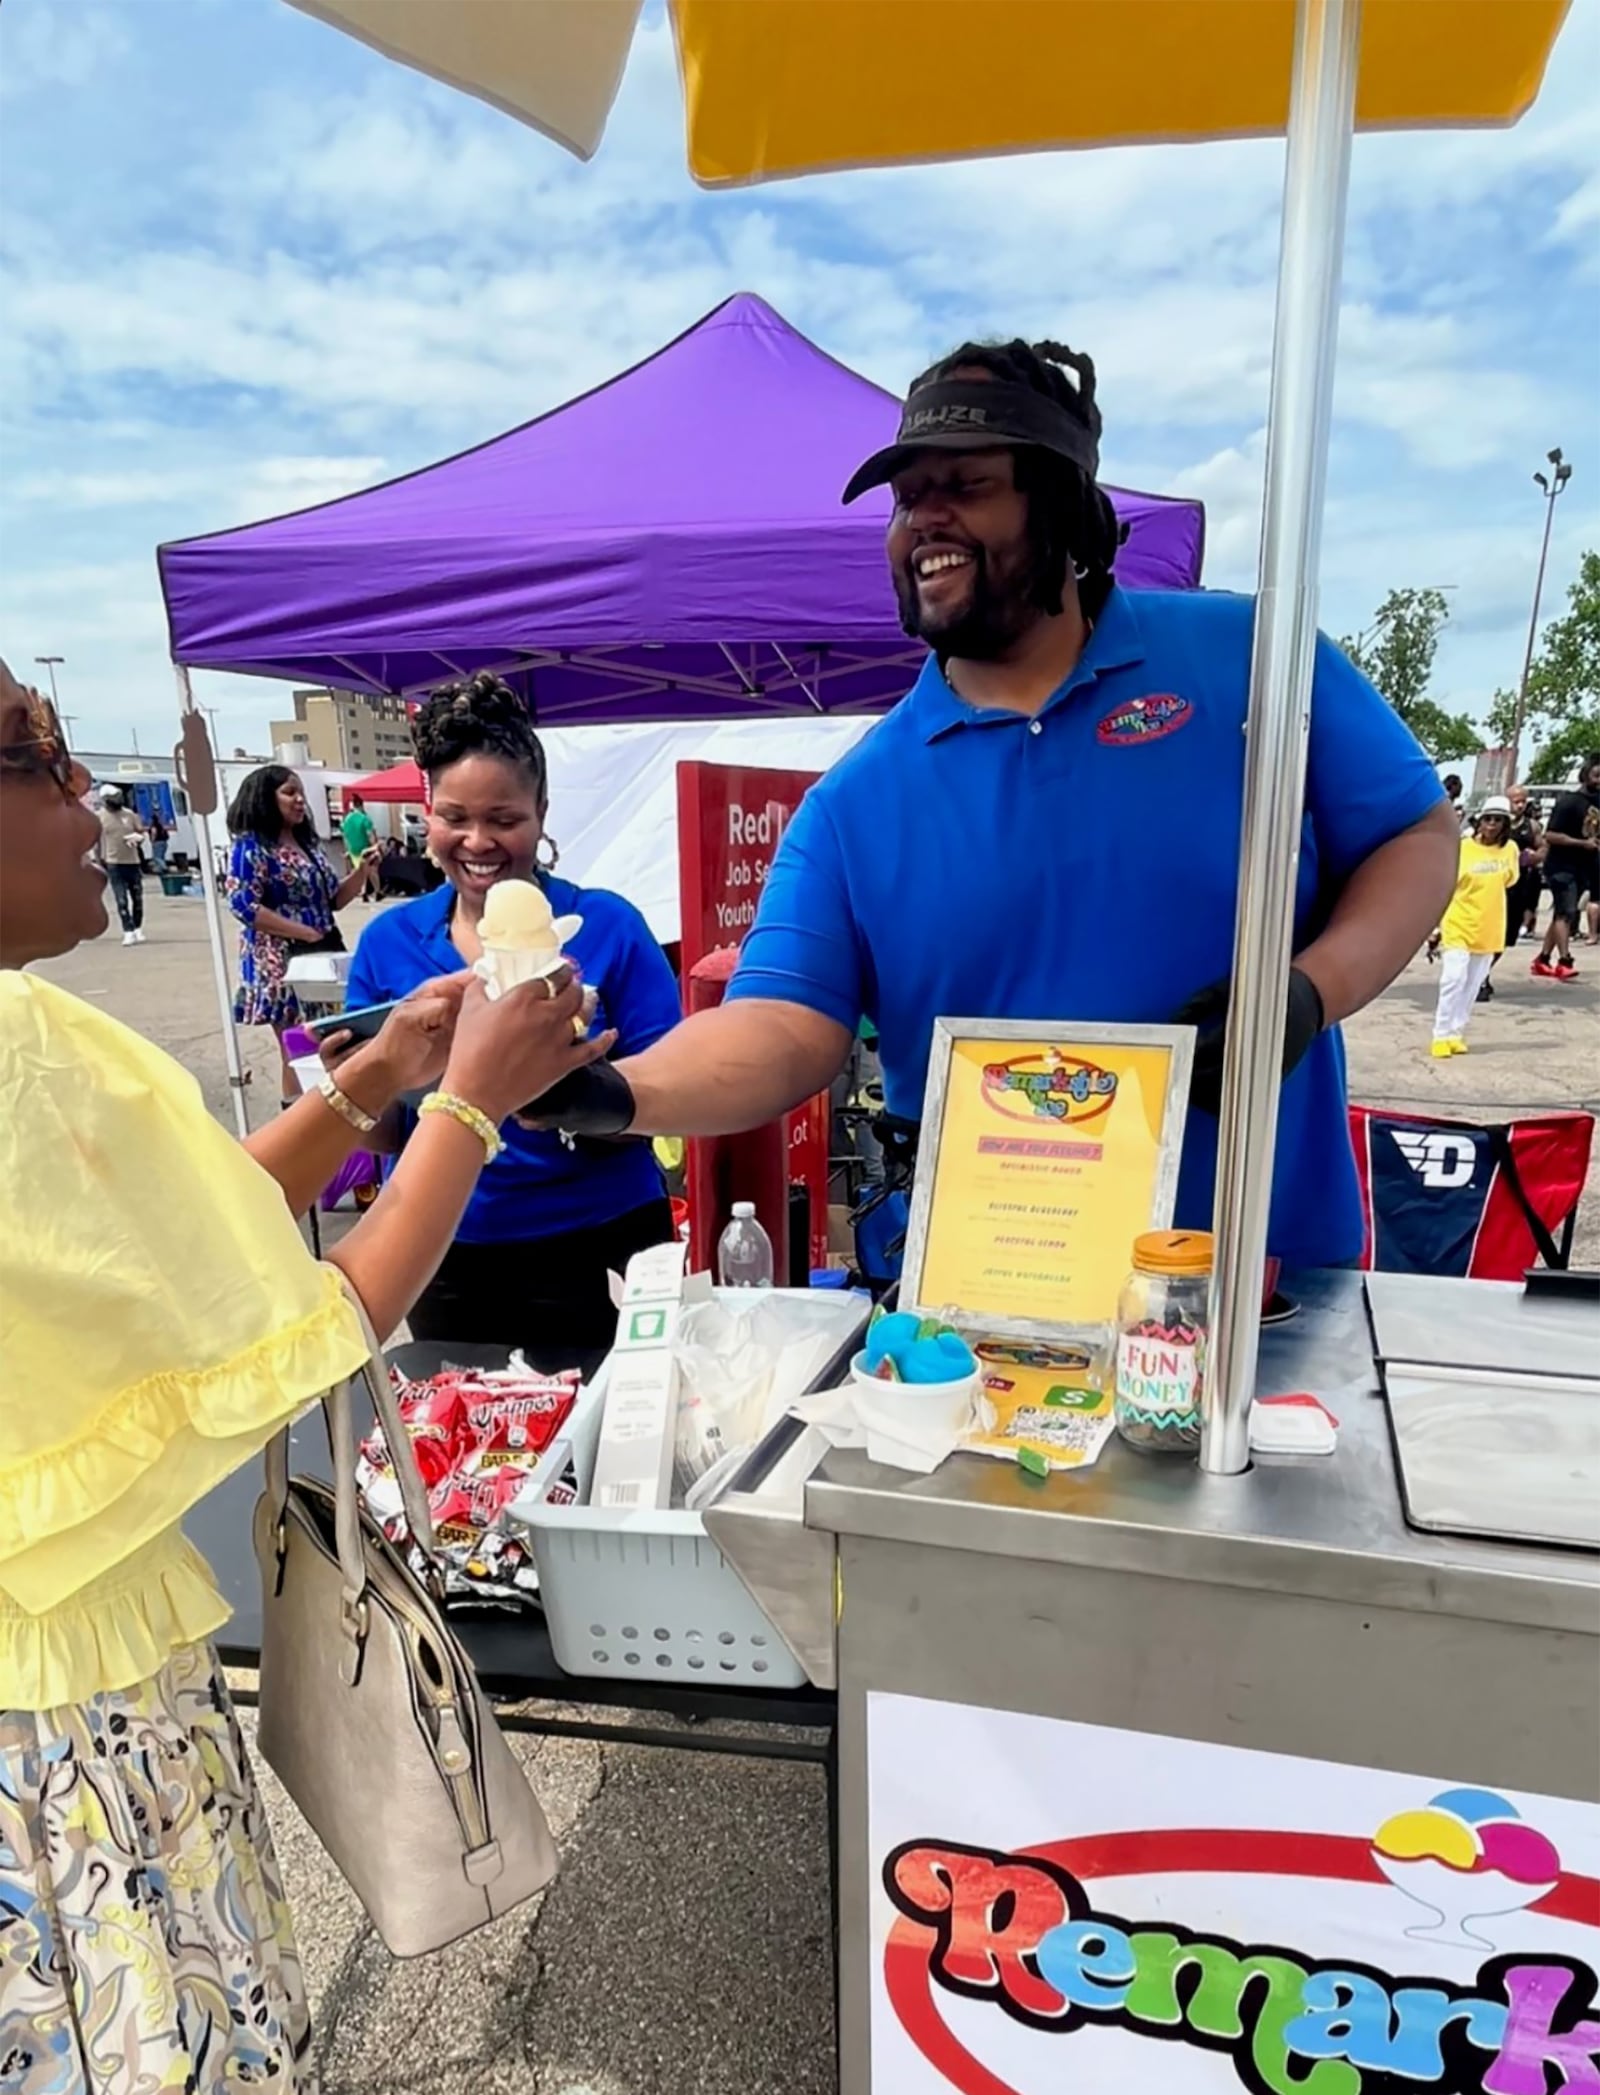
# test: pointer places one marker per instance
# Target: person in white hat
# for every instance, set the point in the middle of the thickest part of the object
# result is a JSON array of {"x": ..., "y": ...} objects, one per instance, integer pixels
[
  {"x": 121, "y": 835},
  {"x": 1473, "y": 931}
]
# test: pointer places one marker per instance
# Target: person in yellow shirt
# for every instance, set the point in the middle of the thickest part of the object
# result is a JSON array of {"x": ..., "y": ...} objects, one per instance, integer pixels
[
  {"x": 160, "y": 1320},
  {"x": 1474, "y": 926}
]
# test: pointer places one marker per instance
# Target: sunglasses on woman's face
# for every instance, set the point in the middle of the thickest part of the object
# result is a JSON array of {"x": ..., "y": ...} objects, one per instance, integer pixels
[{"x": 43, "y": 751}]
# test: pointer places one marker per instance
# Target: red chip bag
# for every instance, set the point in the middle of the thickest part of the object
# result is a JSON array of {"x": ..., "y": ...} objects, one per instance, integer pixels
[
  {"x": 464, "y": 1507},
  {"x": 436, "y": 1458},
  {"x": 435, "y": 1421},
  {"x": 518, "y": 1428},
  {"x": 434, "y": 1408}
]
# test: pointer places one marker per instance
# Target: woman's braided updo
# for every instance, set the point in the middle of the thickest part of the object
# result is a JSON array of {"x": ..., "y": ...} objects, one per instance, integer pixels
[{"x": 478, "y": 716}]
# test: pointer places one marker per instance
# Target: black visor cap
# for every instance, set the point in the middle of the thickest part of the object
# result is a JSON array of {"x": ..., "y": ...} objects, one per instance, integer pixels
[{"x": 956, "y": 414}]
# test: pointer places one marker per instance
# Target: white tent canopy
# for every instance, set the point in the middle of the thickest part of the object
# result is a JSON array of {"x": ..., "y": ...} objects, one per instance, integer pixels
[{"x": 614, "y": 795}]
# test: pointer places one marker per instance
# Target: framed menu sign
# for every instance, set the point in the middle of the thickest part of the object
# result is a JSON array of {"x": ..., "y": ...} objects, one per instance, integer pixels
[{"x": 1046, "y": 1149}]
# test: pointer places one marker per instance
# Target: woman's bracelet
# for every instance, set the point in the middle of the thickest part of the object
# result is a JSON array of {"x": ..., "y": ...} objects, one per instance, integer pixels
[
  {"x": 470, "y": 1117},
  {"x": 341, "y": 1103}
]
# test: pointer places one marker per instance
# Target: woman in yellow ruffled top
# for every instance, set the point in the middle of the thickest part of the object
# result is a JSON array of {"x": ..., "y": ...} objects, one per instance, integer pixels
[{"x": 160, "y": 1320}]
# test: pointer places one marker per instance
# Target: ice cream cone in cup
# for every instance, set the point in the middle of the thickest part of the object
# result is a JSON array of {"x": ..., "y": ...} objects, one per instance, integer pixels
[{"x": 522, "y": 938}]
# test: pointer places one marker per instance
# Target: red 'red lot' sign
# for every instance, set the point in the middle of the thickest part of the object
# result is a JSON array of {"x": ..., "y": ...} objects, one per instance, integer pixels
[{"x": 731, "y": 819}]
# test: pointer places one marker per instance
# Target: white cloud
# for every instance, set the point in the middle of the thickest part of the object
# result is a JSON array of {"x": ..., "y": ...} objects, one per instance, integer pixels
[
  {"x": 291, "y": 483},
  {"x": 62, "y": 47}
]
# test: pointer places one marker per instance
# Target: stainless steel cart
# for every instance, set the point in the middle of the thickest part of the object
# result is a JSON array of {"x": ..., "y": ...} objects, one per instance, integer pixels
[{"x": 1291, "y": 1609}]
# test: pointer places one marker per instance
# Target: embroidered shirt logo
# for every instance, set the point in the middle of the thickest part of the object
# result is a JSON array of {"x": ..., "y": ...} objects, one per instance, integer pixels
[{"x": 1137, "y": 720}]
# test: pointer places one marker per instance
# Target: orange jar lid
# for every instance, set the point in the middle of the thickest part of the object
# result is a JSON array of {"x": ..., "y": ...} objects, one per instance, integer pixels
[{"x": 1173, "y": 1251}]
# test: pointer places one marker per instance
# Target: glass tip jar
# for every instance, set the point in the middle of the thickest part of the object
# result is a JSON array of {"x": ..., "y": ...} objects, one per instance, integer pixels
[{"x": 1161, "y": 1341}]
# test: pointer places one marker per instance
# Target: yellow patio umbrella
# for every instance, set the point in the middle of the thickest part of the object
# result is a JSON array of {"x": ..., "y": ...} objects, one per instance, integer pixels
[{"x": 787, "y": 87}]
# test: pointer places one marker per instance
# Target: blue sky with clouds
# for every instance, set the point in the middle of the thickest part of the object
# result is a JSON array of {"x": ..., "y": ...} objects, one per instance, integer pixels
[{"x": 249, "y": 265}]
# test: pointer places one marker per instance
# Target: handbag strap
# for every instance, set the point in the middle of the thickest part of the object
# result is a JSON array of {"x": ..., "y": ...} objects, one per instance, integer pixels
[{"x": 374, "y": 1372}]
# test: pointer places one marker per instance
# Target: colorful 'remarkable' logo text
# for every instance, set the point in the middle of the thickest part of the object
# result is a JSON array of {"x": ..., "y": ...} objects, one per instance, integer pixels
[
  {"x": 1137, "y": 720},
  {"x": 1023, "y": 1932},
  {"x": 1049, "y": 1087}
]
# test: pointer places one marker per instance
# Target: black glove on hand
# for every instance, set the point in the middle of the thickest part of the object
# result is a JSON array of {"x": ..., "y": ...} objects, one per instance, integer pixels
[
  {"x": 1207, "y": 1012},
  {"x": 594, "y": 1100}
]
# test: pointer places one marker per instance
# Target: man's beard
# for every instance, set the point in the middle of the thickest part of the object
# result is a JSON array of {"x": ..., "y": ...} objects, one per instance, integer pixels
[{"x": 994, "y": 617}]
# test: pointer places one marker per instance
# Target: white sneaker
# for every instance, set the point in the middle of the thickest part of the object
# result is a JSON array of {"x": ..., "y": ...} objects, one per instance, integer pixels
[
  {"x": 128, "y": 938},
  {"x": 138, "y": 938}
]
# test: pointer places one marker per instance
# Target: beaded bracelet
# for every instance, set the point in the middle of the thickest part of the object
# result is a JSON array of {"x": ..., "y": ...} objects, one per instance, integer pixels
[{"x": 470, "y": 1117}]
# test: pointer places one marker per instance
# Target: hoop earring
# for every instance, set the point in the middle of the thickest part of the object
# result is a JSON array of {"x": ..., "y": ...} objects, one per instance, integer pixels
[
  {"x": 547, "y": 865},
  {"x": 1079, "y": 571}
]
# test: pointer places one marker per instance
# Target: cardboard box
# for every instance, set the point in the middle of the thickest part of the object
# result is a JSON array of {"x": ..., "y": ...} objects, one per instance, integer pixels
[
  {"x": 642, "y": 1326},
  {"x": 655, "y": 1275},
  {"x": 633, "y": 1463}
]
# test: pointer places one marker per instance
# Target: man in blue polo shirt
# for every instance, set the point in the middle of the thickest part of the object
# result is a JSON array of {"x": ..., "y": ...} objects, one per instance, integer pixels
[{"x": 1069, "y": 750}]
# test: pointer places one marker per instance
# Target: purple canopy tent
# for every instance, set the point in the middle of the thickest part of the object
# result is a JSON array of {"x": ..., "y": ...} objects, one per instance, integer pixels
[{"x": 670, "y": 546}]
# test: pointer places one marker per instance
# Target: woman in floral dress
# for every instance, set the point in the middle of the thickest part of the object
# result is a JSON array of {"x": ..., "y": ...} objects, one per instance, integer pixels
[{"x": 284, "y": 893}]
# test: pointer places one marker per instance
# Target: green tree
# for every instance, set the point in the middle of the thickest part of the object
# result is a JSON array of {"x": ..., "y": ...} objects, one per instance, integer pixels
[
  {"x": 1396, "y": 652},
  {"x": 1563, "y": 713}
]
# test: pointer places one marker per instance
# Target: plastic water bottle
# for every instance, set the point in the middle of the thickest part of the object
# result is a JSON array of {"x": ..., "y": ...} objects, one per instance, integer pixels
[{"x": 744, "y": 1255}]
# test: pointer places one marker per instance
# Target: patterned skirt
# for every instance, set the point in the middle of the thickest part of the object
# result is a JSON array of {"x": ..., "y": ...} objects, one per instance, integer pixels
[
  {"x": 264, "y": 996},
  {"x": 144, "y": 1938}
]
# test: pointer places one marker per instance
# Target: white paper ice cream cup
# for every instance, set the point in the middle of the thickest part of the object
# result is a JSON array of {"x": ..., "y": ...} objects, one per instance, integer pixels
[{"x": 503, "y": 967}]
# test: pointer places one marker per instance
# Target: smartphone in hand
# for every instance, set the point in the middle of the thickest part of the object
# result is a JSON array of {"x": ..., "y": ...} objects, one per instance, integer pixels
[{"x": 363, "y": 1024}]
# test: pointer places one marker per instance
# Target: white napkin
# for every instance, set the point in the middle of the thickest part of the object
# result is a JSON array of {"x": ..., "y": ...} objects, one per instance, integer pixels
[{"x": 849, "y": 1417}]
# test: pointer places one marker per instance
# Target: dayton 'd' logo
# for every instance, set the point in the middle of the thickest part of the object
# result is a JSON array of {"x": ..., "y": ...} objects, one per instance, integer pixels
[
  {"x": 1440, "y": 1160},
  {"x": 1051, "y": 1087}
]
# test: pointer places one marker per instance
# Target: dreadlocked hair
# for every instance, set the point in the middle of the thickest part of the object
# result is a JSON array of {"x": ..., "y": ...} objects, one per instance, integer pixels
[
  {"x": 478, "y": 716},
  {"x": 1070, "y": 516}
]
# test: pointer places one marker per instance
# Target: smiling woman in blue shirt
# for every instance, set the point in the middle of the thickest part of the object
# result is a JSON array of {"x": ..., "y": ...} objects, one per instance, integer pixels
[
  {"x": 977, "y": 853},
  {"x": 549, "y": 1220}
]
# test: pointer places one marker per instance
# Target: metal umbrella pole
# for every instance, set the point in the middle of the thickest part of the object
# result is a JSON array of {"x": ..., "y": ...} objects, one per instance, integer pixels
[
  {"x": 1316, "y": 184},
  {"x": 202, "y": 794}
]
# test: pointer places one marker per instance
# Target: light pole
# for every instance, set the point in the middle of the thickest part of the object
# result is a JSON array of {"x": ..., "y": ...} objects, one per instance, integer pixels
[
  {"x": 50, "y": 663},
  {"x": 1550, "y": 484}
]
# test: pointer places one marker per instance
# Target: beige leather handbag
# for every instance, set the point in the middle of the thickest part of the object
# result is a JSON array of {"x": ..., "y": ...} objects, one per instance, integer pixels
[{"x": 371, "y": 1714}]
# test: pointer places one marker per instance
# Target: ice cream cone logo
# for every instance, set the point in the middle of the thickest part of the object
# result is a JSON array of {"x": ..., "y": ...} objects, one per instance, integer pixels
[{"x": 1468, "y": 1854}]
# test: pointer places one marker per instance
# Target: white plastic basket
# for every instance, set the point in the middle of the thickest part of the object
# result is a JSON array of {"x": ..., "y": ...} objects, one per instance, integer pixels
[
  {"x": 319, "y": 978},
  {"x": 648, "y": 1593}
]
